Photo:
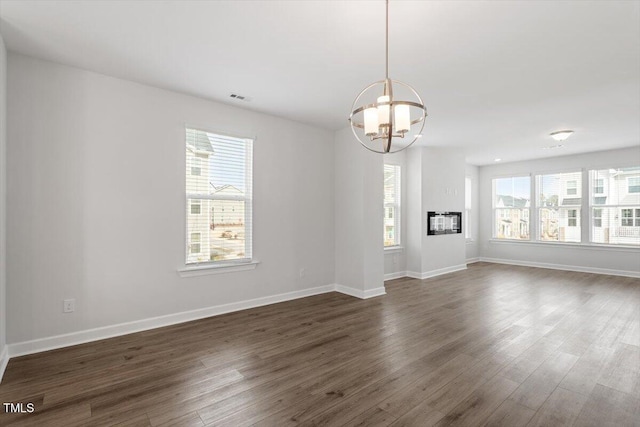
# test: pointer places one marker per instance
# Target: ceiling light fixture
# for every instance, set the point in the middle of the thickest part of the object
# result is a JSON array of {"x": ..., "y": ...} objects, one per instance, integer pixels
[
  {"x": 561, "y": 135},
  {"x": 381, "y": 119},
  {"x": 497, "y": 160}
]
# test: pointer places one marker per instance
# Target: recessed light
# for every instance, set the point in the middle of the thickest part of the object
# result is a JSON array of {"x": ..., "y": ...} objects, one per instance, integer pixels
[
  {"x": 561, "y": 135},
  {"x": 497, "y": 160}
]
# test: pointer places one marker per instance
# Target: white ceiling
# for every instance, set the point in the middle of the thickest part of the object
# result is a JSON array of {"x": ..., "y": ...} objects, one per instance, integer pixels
[{"x": 497, "y": 76}]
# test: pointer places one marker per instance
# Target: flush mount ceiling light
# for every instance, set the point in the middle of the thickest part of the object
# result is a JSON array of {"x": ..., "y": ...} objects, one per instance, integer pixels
[
  {"x": 561, "y": 135},
  {"x": 388, "y": 115}
]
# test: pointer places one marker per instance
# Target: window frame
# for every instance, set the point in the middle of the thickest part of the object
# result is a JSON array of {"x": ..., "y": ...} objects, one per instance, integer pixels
[
  {"x": 396, "y": 208},
  {"x": 468, "y": 206},
  {"x": 562, "y": 193},
  {"x": 494, "y": 208},
  {"x": 587, "y": 219},
  {"x": 618, "y": 208},
  {"x": 192, "y": 269}
]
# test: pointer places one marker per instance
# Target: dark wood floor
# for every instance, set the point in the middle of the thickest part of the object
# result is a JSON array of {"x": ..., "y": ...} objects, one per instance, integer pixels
[{"x": 492, "y": 345}]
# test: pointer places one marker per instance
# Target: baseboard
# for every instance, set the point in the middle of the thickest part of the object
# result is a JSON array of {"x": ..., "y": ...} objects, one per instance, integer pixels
[
  {"x": 472, "y": 260},
  {"x": 359, "y": 293},
  {"x": 4, "y": 360},
  {"x": 577, "y": 268},
  {"x": 396, "y": 275},
  {"x": 81, "y": 337},
  {"x": 438, "y": 272}
]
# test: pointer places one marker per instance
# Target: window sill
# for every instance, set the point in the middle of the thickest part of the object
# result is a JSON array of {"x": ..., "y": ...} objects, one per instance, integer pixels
[
  {"x": 393, "y": 249},
  {"x": 590, "y": 246},
  {"x": 206, "y": 269}
]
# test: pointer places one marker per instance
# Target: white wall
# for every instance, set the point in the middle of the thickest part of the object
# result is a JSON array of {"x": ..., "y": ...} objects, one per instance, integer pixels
[
  {"x": 436, "y": 183},
  {"x": 97, "y": 208},
  {"x": 395, "y": 263},
  {"x": 359, "y": 257},
  {"x": 472, "y": 247},
  {"x": 3, "y": 205},
  {"x": 579, "y": 257}
]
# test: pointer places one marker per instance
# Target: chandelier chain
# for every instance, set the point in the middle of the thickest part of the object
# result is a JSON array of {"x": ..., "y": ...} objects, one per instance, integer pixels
[{"x": 387, "y": 43}]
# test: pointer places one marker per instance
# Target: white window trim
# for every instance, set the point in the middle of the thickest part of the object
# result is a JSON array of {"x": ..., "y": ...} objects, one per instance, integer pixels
[
  {"x": 590, "y": 206},
  {"x": 578, "y": 208},
  {"x": 218, "y": 267},
  {"x": 530, "y": 208},
  {"x": 205, "y": 269},
  {"x": 397, "y": 219},
  {"x": 586, "y": 214},
  {"x": 593, "y": 246}
]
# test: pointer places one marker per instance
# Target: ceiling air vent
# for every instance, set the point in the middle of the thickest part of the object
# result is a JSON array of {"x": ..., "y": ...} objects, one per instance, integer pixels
[{"x": 240, "y": 97}]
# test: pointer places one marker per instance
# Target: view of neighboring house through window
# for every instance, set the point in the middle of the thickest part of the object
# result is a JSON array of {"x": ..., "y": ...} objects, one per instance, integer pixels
[
  {"x": 467, "y": 208},
  {"x": 615, "y": 206},
  {"x": 559, "y": 204},
  {"x": 391, "y": 205},
  {"x": 219, "y": 197},
  {"x": 511, "y": 207},
  {"x": 598, "y": 186}
]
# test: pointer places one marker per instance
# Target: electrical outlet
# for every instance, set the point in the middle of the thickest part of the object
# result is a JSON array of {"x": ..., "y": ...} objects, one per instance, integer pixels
[{"x": 69, "y": 306}]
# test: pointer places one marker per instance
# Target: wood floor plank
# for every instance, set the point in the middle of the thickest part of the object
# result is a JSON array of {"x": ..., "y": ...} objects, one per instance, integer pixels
[
  {"x": 622, "y": 371},
  {"x": 560, "y": 409},
  {"x": 480, "y": 404},
  {"x": 510, "y": 414},
  {"x": 540, "y": 384},
  {"x": 491, "y": 345},
  {"x": 421, "y": 415},
  {"x": 607, "y": 407}
]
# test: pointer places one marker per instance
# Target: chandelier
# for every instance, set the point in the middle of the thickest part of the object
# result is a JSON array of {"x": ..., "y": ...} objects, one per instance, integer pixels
[{"x": 388, "y": 115}]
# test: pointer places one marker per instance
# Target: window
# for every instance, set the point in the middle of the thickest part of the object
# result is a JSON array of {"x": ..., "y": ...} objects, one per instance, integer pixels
[
  {"x": 219, "y": 197},
  {"x": 558, "y": 210},
  {"x": 631, "y": 217},
  {"x": 467, "y": 208},
  {"x": 196, "y": 165},
  {"x": 616, "y": 213},
  {"x": 194, "y": 245},
  {"x": 391, "y": 205},
  {"x": 598, "y": 186},
  {"x": 196, "y": 207},
  {"x": 511, "y": 207},
  {"x": 597, "y": 217}
]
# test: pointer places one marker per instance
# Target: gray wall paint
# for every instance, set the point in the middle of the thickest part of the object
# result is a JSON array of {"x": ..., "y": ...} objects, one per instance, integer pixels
[
  {"x": 436, "y": 183},
  {"x": 586, "y": 257},
  {"x": 96, "y": 204},
  {"x": 97, "y": 207},
  {"x": 359, "y": 258}
]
